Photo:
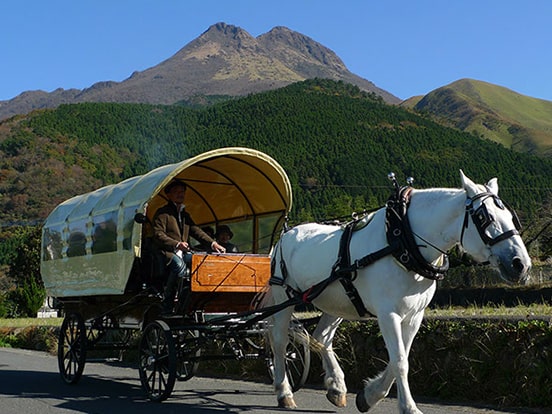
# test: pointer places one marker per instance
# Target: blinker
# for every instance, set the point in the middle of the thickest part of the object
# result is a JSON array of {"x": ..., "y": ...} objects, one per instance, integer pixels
[{"x": 481, "y": 217}]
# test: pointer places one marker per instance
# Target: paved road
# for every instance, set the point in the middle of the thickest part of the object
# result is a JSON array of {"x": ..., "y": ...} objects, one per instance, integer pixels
[{"x": 30, "y": 384}]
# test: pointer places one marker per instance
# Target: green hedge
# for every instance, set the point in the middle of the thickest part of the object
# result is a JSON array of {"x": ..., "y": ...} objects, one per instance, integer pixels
[
  {"x": 501, "y": 362},
  {"x": 505, "y": 363}
]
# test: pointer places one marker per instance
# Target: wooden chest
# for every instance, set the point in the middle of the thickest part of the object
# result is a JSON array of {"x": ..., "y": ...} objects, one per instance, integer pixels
[{"x": 236, "y": 272}]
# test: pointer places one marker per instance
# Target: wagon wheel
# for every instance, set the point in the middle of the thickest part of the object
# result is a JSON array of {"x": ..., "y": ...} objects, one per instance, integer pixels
[
  {"x": 157, "y": 361},
  {"x": 72, "y": 348},
  {"x": 297, "y": 356},
  {"x": 187, "y": 347}
]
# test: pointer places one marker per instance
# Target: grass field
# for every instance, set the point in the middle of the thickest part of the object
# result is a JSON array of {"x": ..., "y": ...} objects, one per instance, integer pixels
[
  {"x": 533, "y": 310},
  {"x": 529, "y": 311},
  {"x": 24, "y": 322}
]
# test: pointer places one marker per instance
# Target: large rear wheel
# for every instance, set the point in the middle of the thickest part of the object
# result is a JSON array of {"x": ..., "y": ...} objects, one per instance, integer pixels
[
  {"x": 72, "y": 348},
  {"x": 157, "y": 363}
]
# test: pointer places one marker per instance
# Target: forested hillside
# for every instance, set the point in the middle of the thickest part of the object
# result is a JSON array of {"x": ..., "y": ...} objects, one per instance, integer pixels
[
  {"x": 490, "y": 111},
  {"x": 336, "y": 143}
]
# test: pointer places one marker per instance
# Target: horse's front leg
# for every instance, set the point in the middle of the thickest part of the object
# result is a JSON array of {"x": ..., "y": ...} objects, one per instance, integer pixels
[
  {"x": 393, "y": 335},
  {"x": 278, "y": 335},
  {"x": 334, "y": 379},
  {"x": 398, "y": 339}
]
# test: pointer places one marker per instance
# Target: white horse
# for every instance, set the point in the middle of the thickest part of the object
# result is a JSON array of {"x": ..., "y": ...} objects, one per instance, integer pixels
[{"x": 472, "y": 217}]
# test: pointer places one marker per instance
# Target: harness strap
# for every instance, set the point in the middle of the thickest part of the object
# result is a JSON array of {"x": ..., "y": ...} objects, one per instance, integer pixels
[
  {"x": 343, "y": 270},
  {"x": 275, "y": 280},
  {"x": 374, "y": 257}
]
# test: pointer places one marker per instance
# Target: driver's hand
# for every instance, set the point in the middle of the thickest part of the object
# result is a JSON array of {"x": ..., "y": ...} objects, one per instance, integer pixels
[
  {"x": 184, "y": 246},
  {"x": 218, "y": 248}
]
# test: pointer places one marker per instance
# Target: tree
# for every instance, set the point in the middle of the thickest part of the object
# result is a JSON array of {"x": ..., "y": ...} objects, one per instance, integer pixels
[{"x": 29, "y": 294}]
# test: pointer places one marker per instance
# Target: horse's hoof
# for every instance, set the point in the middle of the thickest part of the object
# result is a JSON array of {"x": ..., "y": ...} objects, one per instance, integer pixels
[
  {"x": 336, "y": 398},
  {"x": 286, "y": 402},
  {"x": 361, "y": 403}
]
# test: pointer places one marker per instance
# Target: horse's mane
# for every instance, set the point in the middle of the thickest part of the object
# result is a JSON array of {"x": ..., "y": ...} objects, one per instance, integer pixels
[{"x": 432, "y": 195}]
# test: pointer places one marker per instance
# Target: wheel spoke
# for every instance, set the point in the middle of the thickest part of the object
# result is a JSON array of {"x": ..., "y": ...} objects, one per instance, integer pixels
[
  {"x": 72, "y": 348},
  {"x": 157, "y": 361}
]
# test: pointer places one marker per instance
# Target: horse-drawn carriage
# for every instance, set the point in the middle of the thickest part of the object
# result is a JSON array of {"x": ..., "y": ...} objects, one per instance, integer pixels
[
  {"x": 98, "y": 265},
  {"x": 95, "y": 262}
]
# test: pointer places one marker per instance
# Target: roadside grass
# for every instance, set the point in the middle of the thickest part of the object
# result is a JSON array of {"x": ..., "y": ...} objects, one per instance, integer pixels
[
  {"x": 26, "y": 322},
  {"x": 527, "y": 311}
]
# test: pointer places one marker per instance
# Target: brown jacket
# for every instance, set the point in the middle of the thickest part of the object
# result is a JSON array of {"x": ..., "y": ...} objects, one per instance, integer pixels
[{"x": 169, "y": 229}]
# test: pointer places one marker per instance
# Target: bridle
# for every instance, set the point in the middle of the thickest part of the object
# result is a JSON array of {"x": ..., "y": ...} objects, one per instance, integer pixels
[{"x": 482, "y": 218}]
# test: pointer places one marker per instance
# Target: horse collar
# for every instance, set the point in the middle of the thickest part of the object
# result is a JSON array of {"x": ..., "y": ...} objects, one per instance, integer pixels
[{"x": 401, "y": 238}]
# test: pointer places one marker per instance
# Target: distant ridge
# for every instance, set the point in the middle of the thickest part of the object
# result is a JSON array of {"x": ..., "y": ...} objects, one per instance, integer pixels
[
  {"x": 224, "y": 60},
  {"x": 490, "y": 111}
]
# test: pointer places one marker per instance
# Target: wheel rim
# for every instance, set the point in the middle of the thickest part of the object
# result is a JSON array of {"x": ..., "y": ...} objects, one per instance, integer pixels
[
  {"x": 297, "y": 356},
  {"x": 157, "y": 361},
  {"x": 72, "y": 348}
]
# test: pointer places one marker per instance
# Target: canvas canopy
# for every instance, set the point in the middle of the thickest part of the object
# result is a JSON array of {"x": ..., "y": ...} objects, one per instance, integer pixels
[{"x": 90, "y": 242}]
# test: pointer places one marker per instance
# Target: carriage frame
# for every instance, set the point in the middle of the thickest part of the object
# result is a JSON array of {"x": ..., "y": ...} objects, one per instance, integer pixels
[{"x": 98, "y": 265}]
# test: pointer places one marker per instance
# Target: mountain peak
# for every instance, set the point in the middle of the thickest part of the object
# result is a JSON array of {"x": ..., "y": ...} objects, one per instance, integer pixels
[
  {"x": 281, "y": 39},
  {"x": 223, "y": 60},
  {"x": 227, "y": 35}
]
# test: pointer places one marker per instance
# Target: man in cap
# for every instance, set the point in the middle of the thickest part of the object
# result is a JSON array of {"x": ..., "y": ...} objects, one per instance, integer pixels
[{"x": 172, "y": 226}]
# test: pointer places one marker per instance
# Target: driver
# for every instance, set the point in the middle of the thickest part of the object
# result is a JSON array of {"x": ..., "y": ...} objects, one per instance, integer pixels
[{"x": 172, "y": 226}]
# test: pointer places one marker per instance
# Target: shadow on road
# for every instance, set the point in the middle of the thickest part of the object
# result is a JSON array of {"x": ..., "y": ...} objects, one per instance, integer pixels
[{"x": 97, "y": 394}]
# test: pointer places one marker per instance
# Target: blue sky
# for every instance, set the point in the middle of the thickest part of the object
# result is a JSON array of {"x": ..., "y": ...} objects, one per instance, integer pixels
[{"x": 407, "y": 47}]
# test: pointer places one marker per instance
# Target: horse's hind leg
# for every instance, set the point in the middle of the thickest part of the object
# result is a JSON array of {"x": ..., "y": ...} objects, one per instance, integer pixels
[
  {"x": 334, "y": 378},
  {"x": 279, "y": 336}
]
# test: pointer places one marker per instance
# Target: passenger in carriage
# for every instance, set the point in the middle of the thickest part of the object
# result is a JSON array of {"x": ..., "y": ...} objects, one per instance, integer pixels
[
  {"x": 172, "y": 226},
  {"x": 223, "y": 237}
]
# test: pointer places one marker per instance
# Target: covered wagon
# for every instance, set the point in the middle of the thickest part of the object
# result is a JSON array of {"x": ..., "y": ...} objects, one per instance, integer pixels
[{"x": 96, "y": 259}]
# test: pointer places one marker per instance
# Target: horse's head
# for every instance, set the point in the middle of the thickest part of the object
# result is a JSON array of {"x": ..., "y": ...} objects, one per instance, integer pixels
[{"x": 491, "y": 231}]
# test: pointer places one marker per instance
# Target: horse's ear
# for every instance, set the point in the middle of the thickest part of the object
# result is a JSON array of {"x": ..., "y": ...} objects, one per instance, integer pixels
[
  {"x": 468, "y": 185},
  {"x": 492, "y": 185}
]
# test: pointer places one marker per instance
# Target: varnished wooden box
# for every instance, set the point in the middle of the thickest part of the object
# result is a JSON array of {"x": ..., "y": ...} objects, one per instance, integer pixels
[{"x": 232, "y": 272}]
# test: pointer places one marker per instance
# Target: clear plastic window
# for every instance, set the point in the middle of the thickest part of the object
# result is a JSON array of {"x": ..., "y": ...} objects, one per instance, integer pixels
[{"x": 104, "y": 233}]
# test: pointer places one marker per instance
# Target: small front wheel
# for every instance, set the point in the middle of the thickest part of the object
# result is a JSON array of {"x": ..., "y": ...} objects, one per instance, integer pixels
[
  {"x": 157, "y": 363},
  {"x": 72, "y": 348}
]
